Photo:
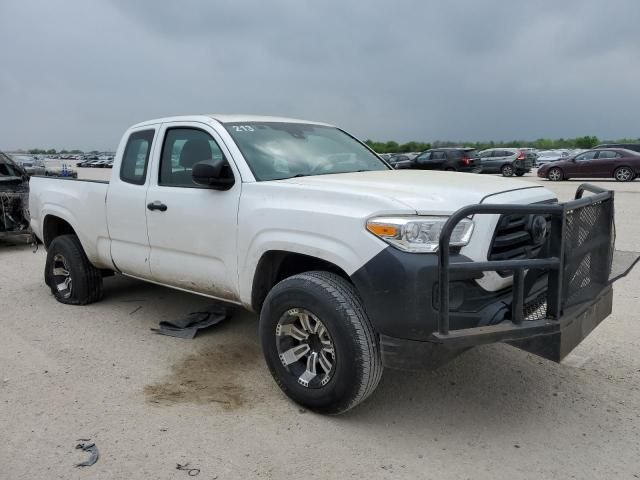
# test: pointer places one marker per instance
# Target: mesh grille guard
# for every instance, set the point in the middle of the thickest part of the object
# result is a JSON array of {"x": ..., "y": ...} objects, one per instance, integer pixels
[{"x": 577, "y": 262}]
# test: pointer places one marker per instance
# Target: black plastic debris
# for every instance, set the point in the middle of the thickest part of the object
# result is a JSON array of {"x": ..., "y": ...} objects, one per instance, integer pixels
[
  {"x": 192, "y": 472},
  {"x": 91, "y": 449},
  {"x": 188, "y": 326}
]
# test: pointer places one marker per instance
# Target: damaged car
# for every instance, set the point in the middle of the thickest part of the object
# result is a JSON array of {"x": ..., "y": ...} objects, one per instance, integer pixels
[{"x": 14, "y": 198}]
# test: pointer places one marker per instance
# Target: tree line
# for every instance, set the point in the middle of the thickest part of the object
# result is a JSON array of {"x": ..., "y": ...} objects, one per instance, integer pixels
[
  {"x": 541, "y": 144},
  {"x": 392, "y": 146},
  {"x": 53, "y": 151}
]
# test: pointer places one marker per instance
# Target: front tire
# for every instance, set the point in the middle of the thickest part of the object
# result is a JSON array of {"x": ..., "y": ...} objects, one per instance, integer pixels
[
  {"x": 72, "y": 278},
  {"x": 319, "y": 343},
  {"x": 555, "y": 174}
]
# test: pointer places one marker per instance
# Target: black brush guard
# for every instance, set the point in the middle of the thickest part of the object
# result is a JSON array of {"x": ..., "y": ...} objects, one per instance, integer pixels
[{"x": 576, "y": 262}]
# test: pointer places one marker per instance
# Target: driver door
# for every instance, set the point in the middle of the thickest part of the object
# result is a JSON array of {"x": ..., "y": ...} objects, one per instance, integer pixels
[
  {"x": 583, "y": 166},
  {"x": 192, "y": 229},
  {"x": 422, "y": 161}
]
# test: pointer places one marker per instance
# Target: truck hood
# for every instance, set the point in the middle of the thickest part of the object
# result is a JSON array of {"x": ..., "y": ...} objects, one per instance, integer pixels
[{"x": 426, "y": 192}]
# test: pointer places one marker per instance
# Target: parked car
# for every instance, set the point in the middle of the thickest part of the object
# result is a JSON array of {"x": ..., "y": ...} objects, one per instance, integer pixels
[
  {"x": 31, "y": 165},
  {"x": 627, "y": 146},
  {"x": 347, "y": 262},
  {"x": 548, "y": 156},
  {"x": 457, "y": 159},
  {"x": 618, "y": 163},
  {"x": 14, "y": 195},
  {"x": 507, "y": 161},
  {"x": 402, "y": 160}
]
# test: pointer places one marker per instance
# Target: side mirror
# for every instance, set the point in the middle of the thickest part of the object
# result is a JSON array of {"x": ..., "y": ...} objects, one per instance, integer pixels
[{"x": 215, "y": 174}]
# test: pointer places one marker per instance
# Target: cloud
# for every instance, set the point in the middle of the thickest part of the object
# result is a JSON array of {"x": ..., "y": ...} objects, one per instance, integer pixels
[{"x": 76, "y": 74}]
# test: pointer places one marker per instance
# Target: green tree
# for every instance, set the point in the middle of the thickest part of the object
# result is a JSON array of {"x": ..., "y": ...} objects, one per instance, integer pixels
[{"x": 586, "y": 142}]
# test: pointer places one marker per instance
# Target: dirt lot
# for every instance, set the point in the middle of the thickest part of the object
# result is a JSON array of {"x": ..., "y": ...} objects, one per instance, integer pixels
[{"x": 150, "y": 402}]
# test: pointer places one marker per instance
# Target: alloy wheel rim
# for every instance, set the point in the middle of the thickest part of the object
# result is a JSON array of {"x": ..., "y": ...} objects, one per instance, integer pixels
[
  {"x": 305, "y": 348},
  {"x": 554, "y": 174},
  {"x": 507, "y": 171},
  {"x": 62, "y": 275},
  {"x": 624, "y": 174}
]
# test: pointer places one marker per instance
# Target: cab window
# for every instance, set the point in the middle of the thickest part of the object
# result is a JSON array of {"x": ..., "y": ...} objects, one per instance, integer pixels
[{"x": 182, "y": 149}]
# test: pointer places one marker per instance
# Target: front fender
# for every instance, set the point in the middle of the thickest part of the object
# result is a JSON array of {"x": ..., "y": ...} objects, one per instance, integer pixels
[{"x": 337, "y": 251}]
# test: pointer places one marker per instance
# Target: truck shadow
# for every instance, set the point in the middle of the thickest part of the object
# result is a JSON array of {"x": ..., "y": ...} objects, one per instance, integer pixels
[{"x": 495, "y": 388}]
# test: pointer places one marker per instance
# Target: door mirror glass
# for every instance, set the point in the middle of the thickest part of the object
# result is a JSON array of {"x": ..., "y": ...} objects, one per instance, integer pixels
[{"x": 214, "y": 174}]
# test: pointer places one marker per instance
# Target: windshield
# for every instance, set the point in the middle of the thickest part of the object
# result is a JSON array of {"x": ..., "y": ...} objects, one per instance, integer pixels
[
  {"x": 7, "y": 168},
  {"x": 276, "y": 150}
]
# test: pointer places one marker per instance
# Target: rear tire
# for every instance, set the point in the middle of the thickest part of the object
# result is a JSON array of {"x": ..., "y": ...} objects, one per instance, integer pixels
[
  {"x": 624, "y": 174},
  {"x": 507, "y": 171},
  {"x": 555, "y": 174},
  {"x": 320, "y": 313},
  {"x": 72, "y": 278}
]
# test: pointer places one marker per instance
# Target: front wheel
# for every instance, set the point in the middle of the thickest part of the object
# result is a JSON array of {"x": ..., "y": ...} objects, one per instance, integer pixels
[
  {"x": 507, "y": 170},
  {"x": 623, "y": 174},
  {"x": 69, "y": 273},
  {"x": 555, "y": 174},
  {"x": 319, "y": 343}
]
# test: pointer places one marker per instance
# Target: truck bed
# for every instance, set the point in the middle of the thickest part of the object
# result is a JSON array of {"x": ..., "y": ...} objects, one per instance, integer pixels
[{"x": 82, "y": 203}]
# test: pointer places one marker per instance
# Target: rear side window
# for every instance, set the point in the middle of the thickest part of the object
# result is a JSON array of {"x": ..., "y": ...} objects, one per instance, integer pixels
[
  {"x": 609, "y": 154},
  {"x": 136, "y": 157},
  {"x": 438, "y": 156}
]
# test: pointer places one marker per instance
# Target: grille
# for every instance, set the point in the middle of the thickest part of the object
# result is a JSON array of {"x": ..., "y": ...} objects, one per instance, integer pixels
[
  {"x": 589, "y": 242},
  {"x": 516, "y": 238}
]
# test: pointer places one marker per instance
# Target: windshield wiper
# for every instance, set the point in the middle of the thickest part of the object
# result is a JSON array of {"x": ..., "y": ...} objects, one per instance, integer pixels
[{"x": 297, "y": 175}]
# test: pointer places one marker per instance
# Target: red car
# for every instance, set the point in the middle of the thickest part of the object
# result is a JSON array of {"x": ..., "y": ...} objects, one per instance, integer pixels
[{"x": 618, "y": 163}]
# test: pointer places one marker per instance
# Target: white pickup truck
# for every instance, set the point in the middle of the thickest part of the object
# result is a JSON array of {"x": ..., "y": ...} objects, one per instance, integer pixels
[{"x": 350, "y": 264}]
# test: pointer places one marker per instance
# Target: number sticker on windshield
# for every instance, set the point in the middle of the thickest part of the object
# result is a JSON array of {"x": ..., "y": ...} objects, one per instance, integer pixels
[{"x": 243, "y": 128}]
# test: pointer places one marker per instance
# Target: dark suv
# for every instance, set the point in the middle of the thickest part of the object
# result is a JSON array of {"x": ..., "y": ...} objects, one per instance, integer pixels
[
  {"x": 454, "y": 159},
  {"x": 628, "y": 146}
]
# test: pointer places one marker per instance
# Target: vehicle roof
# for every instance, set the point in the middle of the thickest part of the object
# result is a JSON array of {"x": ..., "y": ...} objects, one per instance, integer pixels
[
  {"x": 502, "y": 148},
  {"x": 616, "y": 149},
  {"x": 609, "y": 145},
  {"x": 227, "y": 118},
  {"x": 451, "y": 148}
]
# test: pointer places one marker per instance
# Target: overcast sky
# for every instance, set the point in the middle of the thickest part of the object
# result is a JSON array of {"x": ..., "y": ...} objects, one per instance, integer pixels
[{"x": 76, "y": 73}]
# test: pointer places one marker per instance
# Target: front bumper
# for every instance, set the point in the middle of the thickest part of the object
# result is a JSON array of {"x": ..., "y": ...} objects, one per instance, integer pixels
[
  {"x": 550, "y": 339},
  {"x": 556, "y": 299}
]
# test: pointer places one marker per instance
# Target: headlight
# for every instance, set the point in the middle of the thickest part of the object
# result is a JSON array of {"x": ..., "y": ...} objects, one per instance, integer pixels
[{"x": 418, "y": 234}]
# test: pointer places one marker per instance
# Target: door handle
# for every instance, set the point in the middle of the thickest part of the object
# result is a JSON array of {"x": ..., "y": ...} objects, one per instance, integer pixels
[{"x": 157, "y": 205}]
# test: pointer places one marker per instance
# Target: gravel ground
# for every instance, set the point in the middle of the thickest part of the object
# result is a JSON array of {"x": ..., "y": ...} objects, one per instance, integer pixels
[{"x": 150, "y": 402}]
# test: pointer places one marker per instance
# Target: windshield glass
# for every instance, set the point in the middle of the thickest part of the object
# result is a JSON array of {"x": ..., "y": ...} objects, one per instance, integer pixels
[
  {"x": 277, "y": 150},
  {"x": 7, "y": 168}
]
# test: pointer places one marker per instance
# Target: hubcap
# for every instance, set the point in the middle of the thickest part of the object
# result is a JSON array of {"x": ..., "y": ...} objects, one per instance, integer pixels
[
  {"x": 62, "y": 275},
  {"x": 554, "y": 174},
  {"x": 507, "y": 171},
  {"x": 624, "y": 174},
  {"x": 305, "y": 348}
]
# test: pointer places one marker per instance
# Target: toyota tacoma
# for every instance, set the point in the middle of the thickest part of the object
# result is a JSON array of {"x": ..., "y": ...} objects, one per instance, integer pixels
[{"x": 351, "y": 265}]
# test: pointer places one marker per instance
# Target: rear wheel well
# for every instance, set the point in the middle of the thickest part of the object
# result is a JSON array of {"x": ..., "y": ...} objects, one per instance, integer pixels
[
  {"x": 54, "y": 227},
  {"x": 276, "y": 265}
]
